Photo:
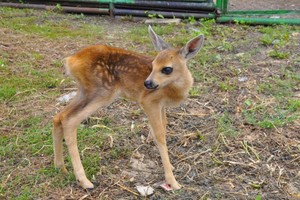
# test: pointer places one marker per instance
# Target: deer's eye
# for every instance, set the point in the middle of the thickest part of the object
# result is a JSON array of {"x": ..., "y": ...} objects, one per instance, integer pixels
[{"x": 167, "y": 70}]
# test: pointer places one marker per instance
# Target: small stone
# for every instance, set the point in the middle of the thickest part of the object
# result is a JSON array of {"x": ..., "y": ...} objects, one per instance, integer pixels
[{"x": 242, "y": 79}]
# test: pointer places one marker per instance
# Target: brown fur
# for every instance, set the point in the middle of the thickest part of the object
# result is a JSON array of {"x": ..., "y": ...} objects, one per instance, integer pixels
[{"x": 103, "y": 73}]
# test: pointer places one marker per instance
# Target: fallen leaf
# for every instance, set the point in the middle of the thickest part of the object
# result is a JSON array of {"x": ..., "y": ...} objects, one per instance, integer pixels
[{"x": 145, "y": 190}]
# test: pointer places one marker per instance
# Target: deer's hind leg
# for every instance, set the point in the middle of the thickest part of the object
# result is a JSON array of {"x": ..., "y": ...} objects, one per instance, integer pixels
[
  {"x": 65, "y": 126},
  {"x": 57, "y": 134}
]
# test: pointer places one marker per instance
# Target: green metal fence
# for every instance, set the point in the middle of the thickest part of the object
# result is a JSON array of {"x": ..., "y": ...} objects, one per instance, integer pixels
[
  {"x": 182, "y": 9},
  {"x": 256, "y": 16}
]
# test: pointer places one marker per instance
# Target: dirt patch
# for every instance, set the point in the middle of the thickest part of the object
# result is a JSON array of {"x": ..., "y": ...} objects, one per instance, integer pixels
[{"x": 264, "y": 5}]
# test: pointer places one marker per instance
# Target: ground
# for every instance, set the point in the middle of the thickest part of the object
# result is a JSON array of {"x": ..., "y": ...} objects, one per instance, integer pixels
[
  {"x": 263, "y": 5},
  {"x": 236, "y": 137}
]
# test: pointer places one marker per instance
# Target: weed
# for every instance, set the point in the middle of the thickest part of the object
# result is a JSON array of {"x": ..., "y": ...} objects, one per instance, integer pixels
[
  {"x": 282, "y": 115},
  {"x": 3, "y": 65},
  {"x": 278, "y": 54},
  {"x": 120, "y": 152},
  {"x": 80, "y": 16},
  {"x": 293, "y": 105},
  {"x": 267, "y": 39},
  {"x": 139, "y": 35},
  {"x": 239, "y": 22},
  {"x": 127, "y": 18},
  {"x": 58, "y": 8},
  {"x": 277, "y": 37},
  {"x": 277, "y": 87},
  {"x": 194, "y": 92},
  {"x": 207, "y": 26},
  {"x": 200, "y": 136},
  {"x": 7, "y": 93},
  {"x": 192, "y": 20},
  {"x": 248, "y": 102},
  {"x": 226, "y": 86},
  {"x": 152, "y": 15},
  {"x": 225, "y": 125},
  {"x": 226, "y": 46},
  {"x": 258, "y": 197}
]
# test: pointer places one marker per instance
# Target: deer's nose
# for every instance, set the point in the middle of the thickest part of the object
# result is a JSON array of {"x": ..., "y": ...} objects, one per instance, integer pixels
[{"x": 150, "y": 85}]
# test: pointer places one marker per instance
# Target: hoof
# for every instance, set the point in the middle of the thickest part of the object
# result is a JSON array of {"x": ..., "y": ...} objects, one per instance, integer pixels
[
  {"x": 168, "y": 187},
  {"x": 86, "y": 184},
  {"x": 61, "y": 168},
  {"x": 174, "y": 185},
  {"x": 89, "y": 190},
  {"x": 64, "y": 170}
]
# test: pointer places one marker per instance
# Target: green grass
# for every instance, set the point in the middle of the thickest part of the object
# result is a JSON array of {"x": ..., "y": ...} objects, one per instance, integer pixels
[
  {"x": 19, "y": 85},
  {"x": 277, "y": 87},
  {"x": 195, "y": 92},
  {"x": 36, "y": 142},
  {"x": 278, "y": 114},
  {"x": 225, "y": 125},
  {"x": 34, "y": 23},
  {"x": 279, "y": 54},
  {"x": 277, "y": 36},
  {"x": 226, "y": 86}
]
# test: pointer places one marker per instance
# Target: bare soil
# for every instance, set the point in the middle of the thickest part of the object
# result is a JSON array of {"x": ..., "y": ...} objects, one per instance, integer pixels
[{"x": 264, "y": 5}]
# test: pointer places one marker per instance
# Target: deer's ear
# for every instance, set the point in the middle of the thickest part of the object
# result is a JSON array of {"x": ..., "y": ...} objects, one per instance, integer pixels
[
  {"x": 158, "y": 43},
  {"x": 192, "y": 47}
]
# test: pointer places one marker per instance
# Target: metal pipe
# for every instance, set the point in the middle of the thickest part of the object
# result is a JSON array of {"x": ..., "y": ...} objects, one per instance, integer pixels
[
  {"x": 144, "y": 13},
  {"x": 169, "y": 5},
  {"x": 63, "y": 8},
  {"x": 263, "y": 21},
  {"x": 132, "y": 1}
]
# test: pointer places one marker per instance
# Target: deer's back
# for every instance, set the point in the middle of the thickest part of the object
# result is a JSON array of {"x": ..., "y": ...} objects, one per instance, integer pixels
[{"x": 108, "y": 67}]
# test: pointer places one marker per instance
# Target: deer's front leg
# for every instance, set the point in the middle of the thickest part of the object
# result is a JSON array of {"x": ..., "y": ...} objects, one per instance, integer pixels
[{"x": 155, "y": 116}]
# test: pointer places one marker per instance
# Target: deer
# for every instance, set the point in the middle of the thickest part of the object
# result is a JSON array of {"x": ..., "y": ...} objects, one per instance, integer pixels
[{"x": 104, "y": 73}]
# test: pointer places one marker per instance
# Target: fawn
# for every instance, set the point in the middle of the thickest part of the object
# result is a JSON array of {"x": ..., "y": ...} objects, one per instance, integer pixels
[{"x": 103, "y": 73}]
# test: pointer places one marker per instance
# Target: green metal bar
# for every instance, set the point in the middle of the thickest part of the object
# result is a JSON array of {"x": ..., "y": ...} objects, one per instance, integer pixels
[
  {"x": 263, "y": 21},
  {"x": 111, "y": 10},
  {"x": 221, "y": 5},
  {"x": 225, "y": 4}
]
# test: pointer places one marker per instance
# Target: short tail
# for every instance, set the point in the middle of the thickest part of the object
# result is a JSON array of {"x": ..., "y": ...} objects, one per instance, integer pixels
[{"x": 67, "y": 71}]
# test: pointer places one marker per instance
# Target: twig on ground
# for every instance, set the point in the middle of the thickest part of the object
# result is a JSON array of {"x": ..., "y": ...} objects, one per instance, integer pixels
[
  {"x": 190, "y": 168},
  {"x": 127, "y": 189},
  {"x": 191, "y": 156},
  {"x": 191, "y": 114},
  {"x": 239, "y": 163},
  {"x": 42, "y": 149},
  {"x": 84, "y": 196}
]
